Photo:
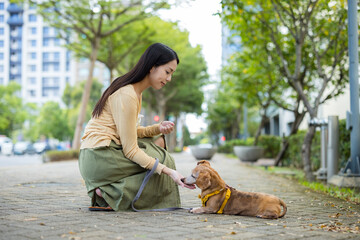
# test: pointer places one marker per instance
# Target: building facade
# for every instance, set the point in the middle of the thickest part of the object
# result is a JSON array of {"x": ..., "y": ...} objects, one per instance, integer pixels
[{"x": 32, "y": 55}]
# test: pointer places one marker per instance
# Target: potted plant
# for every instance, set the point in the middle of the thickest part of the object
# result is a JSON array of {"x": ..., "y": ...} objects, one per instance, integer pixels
[
  {"x": 203, "y": 151},
  {"x": 249, "y": 153}
]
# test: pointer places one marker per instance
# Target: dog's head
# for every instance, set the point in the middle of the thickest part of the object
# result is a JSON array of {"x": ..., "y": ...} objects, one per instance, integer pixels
[{"x": 204, "y": 176}]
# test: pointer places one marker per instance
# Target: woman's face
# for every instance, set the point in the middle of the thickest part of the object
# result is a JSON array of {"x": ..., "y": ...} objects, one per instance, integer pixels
[{"x": 161, "y": 75}]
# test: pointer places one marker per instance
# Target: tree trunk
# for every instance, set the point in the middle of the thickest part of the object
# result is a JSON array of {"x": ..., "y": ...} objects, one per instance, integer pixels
[
  {"x": 85, "y": 96},
  {"x": 258, "y": 131},
  {"x": 285, "y": 144},
  {"x": 161, "y": 105},
  {"x": 111, "y": 70},
  {"x": 235, "y": 128},
  {"x": 172, "y": 138},
  {"x": 306, "y": 153}
]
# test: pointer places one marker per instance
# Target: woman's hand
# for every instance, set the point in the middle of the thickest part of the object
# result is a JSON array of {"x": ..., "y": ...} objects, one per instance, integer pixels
[
  {"x": 166, "y": 127},
  {"x": 176, "y": 176}
]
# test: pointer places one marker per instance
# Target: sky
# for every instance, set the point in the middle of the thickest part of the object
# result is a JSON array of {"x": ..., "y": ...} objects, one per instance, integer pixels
[{"x": 197, "y": 17}]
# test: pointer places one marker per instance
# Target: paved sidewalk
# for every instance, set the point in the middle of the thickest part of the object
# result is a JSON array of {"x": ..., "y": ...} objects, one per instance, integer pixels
[{"x": 49, "y": 201}]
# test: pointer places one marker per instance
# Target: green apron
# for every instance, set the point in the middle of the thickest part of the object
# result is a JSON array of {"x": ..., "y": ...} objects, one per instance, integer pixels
[{"x": 119, "y": 178}]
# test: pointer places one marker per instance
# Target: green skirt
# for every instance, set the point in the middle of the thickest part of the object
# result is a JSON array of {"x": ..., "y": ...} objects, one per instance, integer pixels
[{"x": 119, "y": 178}]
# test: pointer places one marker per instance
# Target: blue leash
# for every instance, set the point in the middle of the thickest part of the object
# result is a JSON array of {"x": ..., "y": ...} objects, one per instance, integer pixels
[{"x": 143, "y": 184}]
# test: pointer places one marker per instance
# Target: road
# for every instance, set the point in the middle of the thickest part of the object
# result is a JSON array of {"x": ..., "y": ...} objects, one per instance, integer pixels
[{"x": 20, "y": 160}]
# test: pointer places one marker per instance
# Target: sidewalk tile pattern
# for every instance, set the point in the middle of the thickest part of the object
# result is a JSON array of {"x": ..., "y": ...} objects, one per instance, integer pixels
[{"x": 49, "y": 201}]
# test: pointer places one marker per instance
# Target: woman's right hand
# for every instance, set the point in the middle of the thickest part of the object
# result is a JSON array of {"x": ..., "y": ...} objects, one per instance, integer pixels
[{"x": 176, "y": 176}]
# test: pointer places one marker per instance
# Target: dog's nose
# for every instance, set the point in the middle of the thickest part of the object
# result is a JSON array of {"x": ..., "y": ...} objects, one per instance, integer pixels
[{"x": 183, "y": 180}]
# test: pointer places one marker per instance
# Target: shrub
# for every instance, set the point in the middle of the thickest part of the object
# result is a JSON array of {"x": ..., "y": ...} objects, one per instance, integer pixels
[
  {"x": 228, "y": 146},
  {"x": 344, "y": 142},
  {"x": 53, "y": 156},
  {"x": 271, "y": 144},
  {"x": 293, "y": 156}
]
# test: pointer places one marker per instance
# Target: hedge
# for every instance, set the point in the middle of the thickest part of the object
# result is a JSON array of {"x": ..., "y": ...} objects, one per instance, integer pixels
[
  {"x": 293, "y": 158},
  {"x": 53, "y": 156}
]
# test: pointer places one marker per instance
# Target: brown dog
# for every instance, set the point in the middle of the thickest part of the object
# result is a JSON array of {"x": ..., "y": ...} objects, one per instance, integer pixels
[{"x": 217, "y": 197}]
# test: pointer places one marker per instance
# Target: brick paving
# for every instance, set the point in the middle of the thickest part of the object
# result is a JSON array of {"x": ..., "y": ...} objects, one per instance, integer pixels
[{"x": 49, "y": 201}]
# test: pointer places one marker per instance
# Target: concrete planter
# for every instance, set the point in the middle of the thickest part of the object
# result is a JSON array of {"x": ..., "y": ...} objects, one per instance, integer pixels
[
  {"x": 249, "y": 153},
  {"x": 203, "y": 152}
]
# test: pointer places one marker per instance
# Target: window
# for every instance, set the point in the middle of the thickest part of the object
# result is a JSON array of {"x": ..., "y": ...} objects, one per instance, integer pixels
[
  {"x": 56, "y": 81},
  {"x": 1, "y": 18},
  {"x": 1, "y": 43},
  {"x": 33, "y": 43},
  {"x": 32, "y": 68},
  {"x": 46, "y": 42},
  {"x": 1, "y": 68},
  {"x": 32, "y": 81},
  {"x": 33, "y": 55},
  {"x": 46, "y": 31},
  {"x": 56, "y": 42},
  {"x": 1, "y": 81},
  {"x": 32, "y": 18},
  {"x": 1, "y": 56},
  {"x": 46, "y": 67},
  {"x": 1, "y": 6},
  {"x": 32, "y": 93},
  {"x": 1, "y": 31},
  {"x": 56, "y": 56},
  {"x": 33, "y": 30},
  {"x": 56, "y": 67},
  {"x": 46, "y": 56}
]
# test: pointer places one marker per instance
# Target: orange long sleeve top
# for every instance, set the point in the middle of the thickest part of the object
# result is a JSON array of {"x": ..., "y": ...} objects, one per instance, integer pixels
[{"x": 119, "y": 122}]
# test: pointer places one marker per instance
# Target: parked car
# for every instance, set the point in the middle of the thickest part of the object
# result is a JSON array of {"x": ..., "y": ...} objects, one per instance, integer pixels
[
  {"x": 4, "y": 139},
  {"x": 21, "y": 148},
  {"x": 41, "y": 147},
  {"x": 7, "y": 148}
]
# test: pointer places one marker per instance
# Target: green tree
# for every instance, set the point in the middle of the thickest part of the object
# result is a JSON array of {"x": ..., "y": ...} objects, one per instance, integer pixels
[
  {"x": 52, "y": 122},
  {"x": 30, "y": 128},
  {"x": 184, "y": 93},
  {"x": 72, "y": 98},
  {"x": 93, "y": 21},
  {"x": 308, "y": 38},
  {"x": 12, "y": 110}
]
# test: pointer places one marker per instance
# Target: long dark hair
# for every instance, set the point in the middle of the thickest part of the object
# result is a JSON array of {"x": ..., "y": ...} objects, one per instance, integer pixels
[{"x": 156, "y": 55}]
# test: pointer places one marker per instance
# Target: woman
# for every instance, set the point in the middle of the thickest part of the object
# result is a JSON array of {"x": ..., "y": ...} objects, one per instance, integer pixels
[{"x": 115, "y": 152}]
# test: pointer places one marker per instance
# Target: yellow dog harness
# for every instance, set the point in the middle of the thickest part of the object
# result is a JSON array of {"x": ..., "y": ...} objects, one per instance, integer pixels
[{"x": 227, "y": 196}]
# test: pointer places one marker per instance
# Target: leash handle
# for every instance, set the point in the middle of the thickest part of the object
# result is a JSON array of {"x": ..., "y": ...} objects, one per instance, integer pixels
[{"x": 143, "y": 184}]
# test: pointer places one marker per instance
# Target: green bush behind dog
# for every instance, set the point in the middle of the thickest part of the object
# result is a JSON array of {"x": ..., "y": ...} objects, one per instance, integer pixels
[{"x": 292, "y": 158}]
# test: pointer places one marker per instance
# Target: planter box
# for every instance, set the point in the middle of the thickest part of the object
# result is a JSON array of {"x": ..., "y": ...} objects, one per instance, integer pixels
[
  {"x": 203, "y": 152},
  {"x": 249, "y": 153}
]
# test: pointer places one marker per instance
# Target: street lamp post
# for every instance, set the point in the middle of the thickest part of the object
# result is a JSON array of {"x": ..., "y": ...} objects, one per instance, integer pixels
[
  {"x": 353, "y": 166},
  {"x": 350, "y": 175}
]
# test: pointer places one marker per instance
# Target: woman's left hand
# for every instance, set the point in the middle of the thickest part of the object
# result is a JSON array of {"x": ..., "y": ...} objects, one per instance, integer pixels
[{"x": 166, "y": 127}]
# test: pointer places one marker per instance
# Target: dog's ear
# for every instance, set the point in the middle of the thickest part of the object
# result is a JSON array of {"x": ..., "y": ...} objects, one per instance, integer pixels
[
  {"x": 204, "y": 180},
  {"x": 203, "y": 162}
]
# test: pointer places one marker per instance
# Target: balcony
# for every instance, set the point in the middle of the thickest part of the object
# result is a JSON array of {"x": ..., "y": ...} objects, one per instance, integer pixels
[
  {"x": 16, "y": 34},
  {"x": 14, "y": 8},
  {"x": 15, "y": 21}
]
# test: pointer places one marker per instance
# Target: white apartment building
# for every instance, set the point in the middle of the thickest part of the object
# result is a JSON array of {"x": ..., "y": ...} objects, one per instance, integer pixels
[{"x": 33, "y": 56}]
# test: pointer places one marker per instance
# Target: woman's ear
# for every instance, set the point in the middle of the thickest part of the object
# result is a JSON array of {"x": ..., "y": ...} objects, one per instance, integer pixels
[{"x": 152, "y": 69}]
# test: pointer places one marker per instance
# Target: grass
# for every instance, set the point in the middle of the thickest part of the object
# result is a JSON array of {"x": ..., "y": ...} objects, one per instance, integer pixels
[{"x": 349, "y": 194}]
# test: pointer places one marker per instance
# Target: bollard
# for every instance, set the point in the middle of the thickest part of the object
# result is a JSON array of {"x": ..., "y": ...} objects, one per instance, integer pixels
[
  {"x": 333, "y": 146},
  {"x": 322, "y": 123}
]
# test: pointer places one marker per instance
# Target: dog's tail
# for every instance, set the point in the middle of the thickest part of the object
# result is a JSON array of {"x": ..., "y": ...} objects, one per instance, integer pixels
[{"x": 282, "y": 203}]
